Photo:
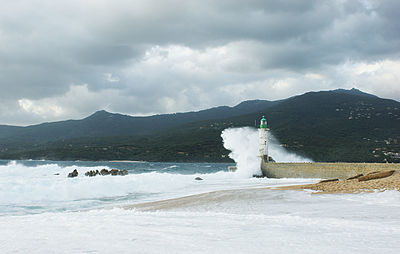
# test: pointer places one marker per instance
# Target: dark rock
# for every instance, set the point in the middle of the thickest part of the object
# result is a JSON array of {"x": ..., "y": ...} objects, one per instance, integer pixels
[
  {"x": 329, "y": 180},
  {"x": 73, "y": 173},
  {"x": 376, "y": 175},
  {"x": 90, "y": 173},
  {"x": 258, "y": 176},
  {"x": 198, "y": 178},
  {"x": 123, "y": 172},
  {"x": 57, "y": 174},
  {"x": 114, "y": 172},
  {"x": 104, "y": 172},
  {"x": 354, "y": 177}
]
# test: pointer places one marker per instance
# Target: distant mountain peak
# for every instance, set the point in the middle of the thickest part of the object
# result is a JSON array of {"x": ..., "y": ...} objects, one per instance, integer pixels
[
  {"x": 353, "y": 91},
  {"x": 254, "y": 105},
  {"x": 100, "y": 113}
]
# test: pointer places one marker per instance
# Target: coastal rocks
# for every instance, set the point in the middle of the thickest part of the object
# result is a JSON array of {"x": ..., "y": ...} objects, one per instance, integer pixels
[
  {"x": 73, "y": 173},
  {"x": 376, "y": 175},
  {"x": 116, "y": 172},
  {"x": 329, "y": 180},
  {"x": 103, "y": 172},
  {"x": 355, "y": 177},
  {"x": 92, "y": 173},
  {"x": 198, "y": 179},
  {"x": 381, "y": 180},
  {"x": 113, "y": 172}
]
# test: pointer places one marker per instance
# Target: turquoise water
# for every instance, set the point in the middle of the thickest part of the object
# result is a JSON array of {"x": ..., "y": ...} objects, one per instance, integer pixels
[{"x": 133, "y": 167}]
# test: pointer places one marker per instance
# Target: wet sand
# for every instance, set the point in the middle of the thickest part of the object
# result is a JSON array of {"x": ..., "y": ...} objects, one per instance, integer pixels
[
  {"x": 204, "y": 199},
  {"x": 391, "y": 182}
]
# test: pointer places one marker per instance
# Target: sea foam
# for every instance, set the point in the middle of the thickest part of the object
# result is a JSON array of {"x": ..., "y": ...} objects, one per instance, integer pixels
[
  {"x": 243, "y": 144},
  {"x": 27, "y": 189}
]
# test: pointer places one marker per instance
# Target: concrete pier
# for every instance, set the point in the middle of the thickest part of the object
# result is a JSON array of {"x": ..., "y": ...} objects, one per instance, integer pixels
[{"x": 322, "y": 170}]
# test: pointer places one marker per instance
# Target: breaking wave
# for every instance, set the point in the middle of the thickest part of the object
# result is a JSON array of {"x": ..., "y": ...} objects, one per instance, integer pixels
[{"x": 243, "y": 144}]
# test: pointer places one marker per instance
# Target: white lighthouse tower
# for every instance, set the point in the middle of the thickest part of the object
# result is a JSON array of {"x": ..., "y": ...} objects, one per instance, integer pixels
[{"x": 263, "y": 139}]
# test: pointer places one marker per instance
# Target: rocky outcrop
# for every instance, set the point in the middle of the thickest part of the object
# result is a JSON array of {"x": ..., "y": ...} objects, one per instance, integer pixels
[
  {"x": 329, "y": 180},
  {"x": 116, "y": 172},
  {"x": 376, "y": 175},
  {"x": 103, "y": 172},
  {"x": 73, "y": 173},
  {"x": 92, "y": 173},
  {"x": 123, "y": 172},
  {"x": 113, "y": 172},
  {"x": 258, "y": 176},
  {"x": 355, "y": 177}
]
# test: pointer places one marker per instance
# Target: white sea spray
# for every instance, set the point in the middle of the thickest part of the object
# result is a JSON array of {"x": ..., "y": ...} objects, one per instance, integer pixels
[
  {"x": 243, "y": 144},
  {"x": 280, "y": 154}
]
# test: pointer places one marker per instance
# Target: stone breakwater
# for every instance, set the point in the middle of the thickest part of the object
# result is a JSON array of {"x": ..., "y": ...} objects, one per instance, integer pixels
[{"x": 323, "y": 170}]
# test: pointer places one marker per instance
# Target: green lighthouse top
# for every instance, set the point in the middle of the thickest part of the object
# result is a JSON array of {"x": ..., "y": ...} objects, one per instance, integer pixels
[{"x": 263, "y": 123}]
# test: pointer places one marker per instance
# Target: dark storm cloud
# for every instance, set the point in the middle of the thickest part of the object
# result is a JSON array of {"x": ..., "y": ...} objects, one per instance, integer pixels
[
  {"x": 105, "y": 55},
  {"x": 161, "y": 56}
]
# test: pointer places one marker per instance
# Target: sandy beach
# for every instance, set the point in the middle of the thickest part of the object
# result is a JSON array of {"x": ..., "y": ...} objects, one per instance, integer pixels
[
  {"x": 330, "y": 186},
  {"x": 199, "y": 200},
  {"x": 388, "y": 180}
]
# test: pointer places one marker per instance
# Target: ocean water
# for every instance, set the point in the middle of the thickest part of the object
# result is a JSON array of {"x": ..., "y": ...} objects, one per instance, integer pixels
[
  {"x": 30, "y": 187},
  {"x": 43, "y": 211}
]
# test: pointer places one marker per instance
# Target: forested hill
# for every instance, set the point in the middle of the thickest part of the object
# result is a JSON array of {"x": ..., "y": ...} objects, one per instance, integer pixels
[
  {"x": 338, "y": 125},
  {"x": 105, "y": 124}
]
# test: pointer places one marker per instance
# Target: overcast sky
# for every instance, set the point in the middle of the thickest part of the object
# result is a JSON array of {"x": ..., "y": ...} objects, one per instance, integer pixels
[{"x": 67, "y": 59}]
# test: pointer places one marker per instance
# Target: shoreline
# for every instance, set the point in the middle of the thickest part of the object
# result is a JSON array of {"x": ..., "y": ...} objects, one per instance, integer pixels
[
  {"x": 385, "y": 180},
  {"x": 349, "y": 186}
]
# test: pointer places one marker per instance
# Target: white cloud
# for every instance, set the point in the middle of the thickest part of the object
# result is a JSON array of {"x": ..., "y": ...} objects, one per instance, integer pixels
[
  {"x": 143, "y": 57},
  {"x": 76, "y": 102},
  {"x": 110, "y": 78},
  {"x": 381, "y": 78},
  {"x": 41, "y": 108}
]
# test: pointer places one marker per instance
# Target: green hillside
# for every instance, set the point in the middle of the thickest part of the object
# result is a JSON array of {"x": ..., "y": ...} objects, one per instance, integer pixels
[
  {"x": 105, "y": 124},
  {"x": 340, "y": 125}
]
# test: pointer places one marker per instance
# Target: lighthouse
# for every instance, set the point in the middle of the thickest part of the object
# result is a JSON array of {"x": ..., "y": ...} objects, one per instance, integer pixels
[{"x": 263, "y": 139}]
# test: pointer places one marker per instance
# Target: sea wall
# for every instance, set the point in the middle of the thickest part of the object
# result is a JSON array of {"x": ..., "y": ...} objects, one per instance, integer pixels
[{"x": 322, "y": 170}]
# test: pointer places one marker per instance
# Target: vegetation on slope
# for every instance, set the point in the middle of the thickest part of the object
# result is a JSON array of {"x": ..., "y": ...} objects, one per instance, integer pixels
[{"x": 339, "y": 125}]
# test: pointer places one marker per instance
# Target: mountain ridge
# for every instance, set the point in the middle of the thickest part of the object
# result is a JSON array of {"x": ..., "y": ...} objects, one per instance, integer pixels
[
  {"x": 325, "y": 126},
  {"x": 103, "y": 123}
]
